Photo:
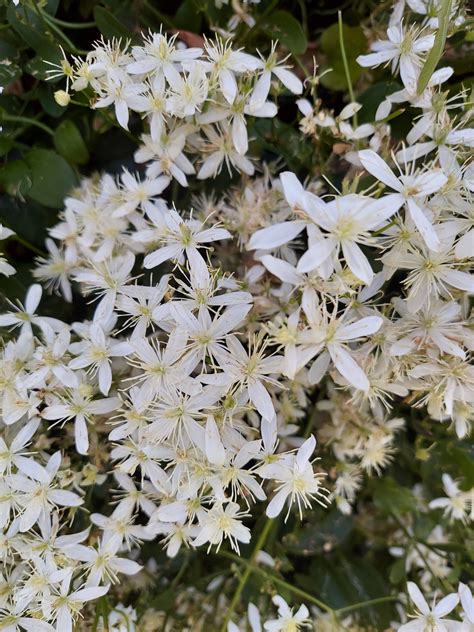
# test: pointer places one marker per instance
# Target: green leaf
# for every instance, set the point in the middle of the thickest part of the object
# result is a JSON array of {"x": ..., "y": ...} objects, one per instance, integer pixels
[
  {"x": 438, "y": 47},
  {"x": 52, "y": 177},
  {"x": 321, "y": 535},
  {"x": 6, "y": 144},
  {"x": 8, "y": 72},
  {"x": 282, "y": 26},
  {"x": 109, "y": 25},
  {"x": 51, "y": 6},
  {"x": 33, "y": 31},
  {"x": 48, "y": 103},
  {"x": 397, "y": 571},
  {"x": 188, "y": 18},
  {"x": 15, "y": 178},
  {"x": 354, "y": 43},
  {"x": 69, "y": 143},
  {"x": 390, "y": 497},
  {"x": 38, "y": 68}
]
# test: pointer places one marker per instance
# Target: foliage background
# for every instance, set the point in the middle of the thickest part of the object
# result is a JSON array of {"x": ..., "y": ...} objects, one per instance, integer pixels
[{"x": 45, "y": 149}]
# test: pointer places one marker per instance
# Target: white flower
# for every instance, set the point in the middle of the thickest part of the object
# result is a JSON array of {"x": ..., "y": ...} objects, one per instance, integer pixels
[
  {"x": 103, "y": 564},
  {"x": 262, "y": 86},
  {"x": 402, "y": 48},
  {"x": 81, "y": 408},
  {"x": 183, "y": 236},
  {"x": 66, "y": 605},
  {"x": 38, "y": 494},
  {"x": 96, "y": 352},
  {"x": 288, "y": 621},
  {"x": 15, "y": 455},
  {"x": 458, "y": 505},
  {"x": 248, "y": 371},
  {"x": 223, "y": 522},
  {"x": 123, "y": 96},
  {"x": 25, "y": 317},
  {"x": 428, "y": 618},
  {"x": 107, "y": 278},
  {"x": 160, "y": 56},
  {"x": 295, "y": 480},
  {"x": 411, "y": 192},
  {"x": 226, "y": 62},
  {"x": 328, "y": 337}
]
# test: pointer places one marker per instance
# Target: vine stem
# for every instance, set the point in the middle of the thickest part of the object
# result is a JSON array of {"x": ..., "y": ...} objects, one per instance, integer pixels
[
  {"x": 71, "y": 25},
  {"x": 346, "y": 64},
  {"x": 28, "y": 121},
  {"x": 45, "y": 18},
  {"x": 250, "y": 568},
  {"x": 366, "y": 604},
  {"x": 24, "y": 242},
  {"x": 443, "y": 583},
  {"x": 303, "y": 594}
]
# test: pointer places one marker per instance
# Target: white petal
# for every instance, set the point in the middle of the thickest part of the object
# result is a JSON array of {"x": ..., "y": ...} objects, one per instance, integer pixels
[
  {"x": 277, "y": 502},
  {"x": 424, "y": 226},
  {"x": 33, "y": 298},
  {"x": 357, "y": 262},
  {"x": 417, "y": 598},
  {"x": 282, "y": 269},
  {"x": 228, "y": 85},
  {"x": 289, "y": 80},
  {"x": 261, "y": 400},
  {"x": 348, "y": 367},
  {"x": 363, "y": 327},
  {"x": 292, "y": 188},
  {"x": 274, "y": 236},
  {"x": 379, "y": 168},
  {"x": 81, "y": 435},
  {"x": 215, "y": 451},
  {"x": 305, "y": 452},
  {"x": 316, "y": 255},
  {"x": 446, "y": 604},
  {"x": 319, "y": 368}
]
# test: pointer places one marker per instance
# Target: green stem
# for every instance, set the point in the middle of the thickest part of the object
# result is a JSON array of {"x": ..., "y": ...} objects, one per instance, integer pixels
[
  {"x": 346, "y": 64},
  {"x": 386, "y": 227},
  {"x": 279, "y": 582},
  {"x": 106, "y": 116},
  {"x": 443, "y": 583},
  {"x": 366, "y": 604},
  {"x": 45, "y": 18},
  {"x": 27, "y": 244},
  {"x": 28, "y": 121},
  {"x": 24, "y": 242},
  {"x": 250, "y": 568},
  {"x": 72, "y": 25}
]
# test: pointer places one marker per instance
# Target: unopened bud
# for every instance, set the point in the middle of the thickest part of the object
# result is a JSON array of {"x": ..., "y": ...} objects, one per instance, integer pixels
[{"x": 62, "y": 98}]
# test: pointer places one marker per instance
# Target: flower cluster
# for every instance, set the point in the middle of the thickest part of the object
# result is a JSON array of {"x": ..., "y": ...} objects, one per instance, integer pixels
[
  {"x": 195, "y": 101},
  {"x": 183, "y": 390}
]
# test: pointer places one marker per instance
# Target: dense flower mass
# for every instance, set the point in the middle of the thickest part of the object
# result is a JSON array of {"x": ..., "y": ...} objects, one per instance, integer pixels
[{"x": 187, "y": 392}]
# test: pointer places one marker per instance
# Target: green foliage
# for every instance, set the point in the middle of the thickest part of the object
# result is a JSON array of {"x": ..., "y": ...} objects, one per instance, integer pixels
[
  {"x": 70, "y": 144},
  {"x": 355, "y": 44},
  {"x": 282, "y": 26},
  {"x": 51, "y": 177}
]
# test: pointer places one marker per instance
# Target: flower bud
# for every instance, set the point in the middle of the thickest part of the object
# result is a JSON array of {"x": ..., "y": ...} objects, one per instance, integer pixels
[{"x": 62, "y": 98}]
